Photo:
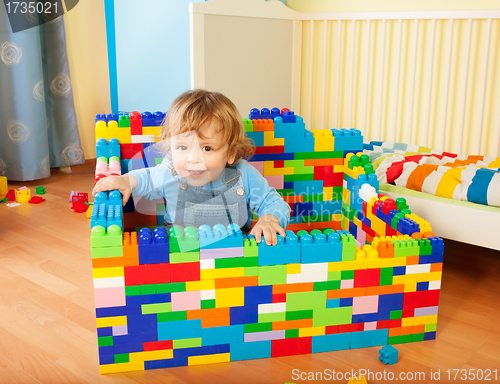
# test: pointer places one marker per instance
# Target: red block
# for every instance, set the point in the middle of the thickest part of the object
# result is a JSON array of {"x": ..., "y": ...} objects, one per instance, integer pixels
[
  {"x": 131, "y": 151},
  {"x": 331, "y": 329},
  {"x": 279, "y": 298},
  {"x": 367, "y": 278},
  {"x": 358, "y": 327},
  {"x": 147, "y": 274},
  {"x": 395, "y": 323},
  {"x": 135, "y": 123},
  {"x": 11, "y": 195},
  {"x": 409, "y": 312},
  {"x": 182, "y": 272},
  {"x": 279, "y": 164},
  {"x": 157, "y": 345},
  {"x": 421, "y": 299},
  {"x": 288, "y": 347},
  {"x": 389, "y": 231},
  {"x": 368, "y": 230}
]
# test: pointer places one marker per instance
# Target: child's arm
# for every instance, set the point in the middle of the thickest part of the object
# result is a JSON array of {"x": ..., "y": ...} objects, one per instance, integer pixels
[
  {"x": 268, "y": 225},
  {"x": 125, "y": 184}
]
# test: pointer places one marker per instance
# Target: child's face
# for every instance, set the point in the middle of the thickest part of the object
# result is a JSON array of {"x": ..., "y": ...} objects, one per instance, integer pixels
[{"x": 200, "y": 160}]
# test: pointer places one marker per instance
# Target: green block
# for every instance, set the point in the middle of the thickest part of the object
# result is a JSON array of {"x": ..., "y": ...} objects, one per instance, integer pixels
[
  {"x": 291, "y": 333},
  {"x": 187, "y": 257},
  {"x": 348, "y": 247},
  {"x": 158, "y": 160},
  {"x": 285, "y": 192},
  {"x": 299, "y": 177},
  {"x": 425, "y": 247},
  {"x": 171, "y": 316},
  {"x": 270, "y": 317},
  {"x": 124, "y": 121},
  {"x": 161, "y": 207},
  {"x": 248, "y": 124},
  {"x": 251, "y": 271},
  {"x": 396, "y": 315},
  {"x": 334, "y": 275},
  {"x": 430, "y": 327},
  {"x": 148, "y": 289},
  {"x": 272, "y": 280},
  {"x": 298, "y": 301},
  {"x": 347, "y": 275},
  {"x": 273, "y": 270},
  {"x": 105, "y": 341},
  {"x": 304, "y": 171},
  {"x": 292, "y": 315},
  {"x": 121, "y": 358},
  {"x": 148, "y": 309},
  {"x": 186, "y": 343},
  {"x": 385, "y": 280},
  {"x": 417, "y": 337},
  {"x": 337, "y": 193},
  {"x": 250, "y": 248},
  {"x": 332, "y": 316},
  {"x": 181, "y": 246},
  {"x": 400, "y": 339},
  {"x": 384, "y": 272},
  {"x": 105, "y": 252},
  {"x": 170, "y": 287},
  {"x": 293, "y": 163},
  {"x": 207, "y": 304},
  {"x": 258, "y": 327},
  {"x": 110, "y": 237},
  {"x": 313, "y": 198},
  {"x": 233, "y": 262},
  {"x": 133, "y": 290},
  {"x": 316, "y": 218},
  {"x": 306, "y": 314},
  {"x": 326, "y": 285}
]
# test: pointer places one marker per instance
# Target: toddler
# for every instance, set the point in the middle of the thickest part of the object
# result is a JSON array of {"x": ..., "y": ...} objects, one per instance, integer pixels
[{"x": 203, "y": 176}]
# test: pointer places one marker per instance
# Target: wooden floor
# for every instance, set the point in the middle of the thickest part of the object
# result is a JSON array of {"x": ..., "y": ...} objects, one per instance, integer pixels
[{"x": 47, "y": 324}]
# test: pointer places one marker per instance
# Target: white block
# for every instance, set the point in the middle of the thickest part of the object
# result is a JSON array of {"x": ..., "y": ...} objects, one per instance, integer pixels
[
  {"x": 279, "y": 307},
  {"x": 435, "y": 284},
  {"x": 137, "y": 139},
  {"x": 109, "y": 282},
  {"x": 418, "y": 268},
  {"x": 208, "y": 294},
  {"x": 265, "y": 308},
  {"x": 207, "y": 264}
]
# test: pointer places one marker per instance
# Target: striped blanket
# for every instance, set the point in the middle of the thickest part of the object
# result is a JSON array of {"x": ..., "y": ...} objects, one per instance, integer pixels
[{"x": 470, "y": 178}]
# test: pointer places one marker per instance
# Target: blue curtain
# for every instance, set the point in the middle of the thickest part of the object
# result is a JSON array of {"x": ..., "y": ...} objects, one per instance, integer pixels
[{"x": 38, "y": 125}]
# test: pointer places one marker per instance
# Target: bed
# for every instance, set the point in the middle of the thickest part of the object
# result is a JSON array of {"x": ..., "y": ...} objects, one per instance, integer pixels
[{"x": 426, "y": 78}]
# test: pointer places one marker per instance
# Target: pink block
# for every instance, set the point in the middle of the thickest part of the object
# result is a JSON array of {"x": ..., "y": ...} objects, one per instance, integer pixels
[
  {"x": 276, "y": 181},
  {"x": 364, "y": 304},
  {"x": 346, "y": 284},
  {"x": 361, "y": 236},
  {"x": 371, "y": 326},
  {"x": 186, "y": 301},
  {"x": 109, "y": 297},
  {"x": 259, "y": 166}
]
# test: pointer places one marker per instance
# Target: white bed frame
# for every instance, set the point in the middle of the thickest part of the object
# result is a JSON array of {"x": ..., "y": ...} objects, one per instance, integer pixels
[{"x": 251, "y": 50}]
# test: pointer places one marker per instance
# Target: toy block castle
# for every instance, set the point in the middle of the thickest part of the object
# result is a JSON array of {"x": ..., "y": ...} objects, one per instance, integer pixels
[{"x": 365, "y": 273}]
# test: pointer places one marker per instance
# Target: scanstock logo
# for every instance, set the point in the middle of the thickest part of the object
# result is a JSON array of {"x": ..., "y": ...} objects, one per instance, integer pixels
[{"x": 28, "y": 14}]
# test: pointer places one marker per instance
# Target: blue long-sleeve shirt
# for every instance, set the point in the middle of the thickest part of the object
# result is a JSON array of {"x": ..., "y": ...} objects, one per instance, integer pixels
[{"x": 158, "y": 182}]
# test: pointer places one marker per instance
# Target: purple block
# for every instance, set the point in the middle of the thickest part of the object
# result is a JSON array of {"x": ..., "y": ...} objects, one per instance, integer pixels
[
  {"x": 120, "y": 330},
  {"x": 426, "y": 311},
  {"x": 269, "y": 335},
  {"x": 221, "y": 253}
]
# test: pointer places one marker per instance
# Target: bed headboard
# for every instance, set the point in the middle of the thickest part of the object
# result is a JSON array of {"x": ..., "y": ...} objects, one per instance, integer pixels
[{"x": 425, "y": 78}]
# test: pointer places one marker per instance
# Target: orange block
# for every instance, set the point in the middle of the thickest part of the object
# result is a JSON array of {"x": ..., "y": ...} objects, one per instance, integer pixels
[
  {"x": 332, "y": 161},
  {"x": 412, "y": 260},
  {"x": 207, "y": 313},
  {"x": 215, "y": 322},
  {"x": 385, "y": 289},
  {"x": 309, "y": 163},
  {"x": 231, "y": 282},
  {"x": 130, "y": 247},
  {"x": 293, "y": 199},
  {"x": 386, "y": 249},
  {"x": 263, "y": 125},
  {"x": 115, "y": 262},
  {"x": 292, "y": 324},
  {"x": 343, "y": 293},
  {"x": 407, "y": 330},
  {"x": 289, "y": 288},
  {"x": 436, "y": 267}
]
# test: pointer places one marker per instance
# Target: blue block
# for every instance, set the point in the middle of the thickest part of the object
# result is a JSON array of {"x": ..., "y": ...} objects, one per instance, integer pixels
[
  {"x": 348, "y": 140},
  {"x": 328, "y": 343},
  {"x": 367, "y": 339},
  {"x": 437, "y": 245},
  {"x": 332, "y": 207},
  {"x": 220, "y": 237},
  {"x": 153, "y": 247},
  {"x": 286, "y": 251},
  {"x": 314, "y": 187},
  {"x": 257, "y": 137},
  {"x": 258, "y": 295},
  {"x": 364, "y": 318},
  {"x": 264, "y": 113},
  {"x": 303, "y": 209},
  {"x": 118, "y": 311},
  {"x": 125, "y": 165},
  {"x": 98, "y": 215},
  {"x": 285, "y": 130},
  {"x": 423, "y": 286},
  {"x": 176, "y": 361},
  {"x": 427, "y": 259},
  {"x": 320, "y": 249},
  {"x": 381, "y": 316},
  {"x": 390, "y": 302},
  {"x": 296, "y": 144},
  {"x": 134, "y": 339},
  {"x": 196, "y": 351},
  {"x": 223, "y": 348},
  {"x": 139, "y": 324},
  {"x": 388, "y": 355},
  {"x": 273, "y": 156},
  {"x": 253, "y": 350},
  {"x": 122, "y": 348},
  {"x": 106, "y": 359},
  {"x": 106, "y": 331},
  {"x": 346, "y": 302},
  {"x": 222, "y": 335},
  {"x": 333, "y": 303},
  {"x": 152, "y": 119},
  {"x": 137, "y": 163},
  {"x": 175, "y": 330},
  {"x": 114, "y": 216},
  {"x": 288, "y": 185},
  {"x": 244, "y": 315},
  {"x": 430, "y": 335},
  {"x": 399, "y": 271}
]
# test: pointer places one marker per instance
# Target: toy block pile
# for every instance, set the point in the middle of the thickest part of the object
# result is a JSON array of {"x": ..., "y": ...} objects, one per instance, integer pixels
[
  {"x": 209, "y": 295},
  {"x": 306, "y": 167}
]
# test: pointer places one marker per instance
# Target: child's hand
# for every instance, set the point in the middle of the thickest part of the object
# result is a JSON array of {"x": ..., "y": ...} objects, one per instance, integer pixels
[
  {"x": 268, "y": 225},
  {"x": 122, "y": 183}
]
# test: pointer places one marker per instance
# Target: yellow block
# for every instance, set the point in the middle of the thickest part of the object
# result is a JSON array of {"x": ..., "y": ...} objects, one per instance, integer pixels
[
  {"x": 408, "y": 321},
  {"x": 387, "y": 262},
  {"x": 111, "y": 321},
  {"x": 410, "y": 282},
  {"x": 271, "y": 141},
  {"x": 347, "y": 265},
  {"x": 229, "y": 297},
  {"x": 121, "y": 367},
  {"x": 201, "y": 285},
  {"x": 269, "y": 170},
  {"x": 429, "y": 276},
  {"x": 209, "y": 359},
  {"x": 3, "y": 186},
  {"x": 324, "y": 140},
  {"x": 327, "y": 193},
  {"x": 221, "y": 273},
  {"x": 293, "y": 268},
  {"x": 312, "y": 331},
  {"x": 124, "y": 135},
  {"x": 338, "y": 168},
  {"x": 356, "y": 221},
  {"x": 89, "y": 211},
  {"x": 108, "y": 272},
  {"x": 151, "y": 355},
  {"x": 151, "y": 131}
]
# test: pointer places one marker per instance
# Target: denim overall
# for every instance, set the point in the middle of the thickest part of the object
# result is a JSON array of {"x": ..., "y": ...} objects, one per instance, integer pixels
[{"x": 197, "y": 206}]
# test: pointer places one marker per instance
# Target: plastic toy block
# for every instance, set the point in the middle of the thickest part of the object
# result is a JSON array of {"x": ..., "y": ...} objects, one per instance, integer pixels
[
  {"x": 325, "y": 140},
  {"x": 293, "y": 346},
  {"x": 220, "y": 237},
  {"x": 183, "y": 272},
  {"x": 112, "y": 131},
  {"x": 320, "y": 248},
  {"x": 257, "y": 137},
  {"x": 152, "y": 120},
  {"x": 107, "y": 149},
  {"x": 183, "y": 240},
  {"x": 286, "y": 251},
  {"x": 388, "y": 355},
  {"x": 348, "y": 140},
  {"x": 263, "y": 125},
  {"x": 38, "y": 199},
  {"x": 3, "y": 186},
  {"x": 358, "y": 380},
  {"x": 247, "y": 351},
  {"x": 11, "y": 195},
  {"x": 22, "y": 196},
  {"x": 284, "y": 129},
  {"x": 264, "y": 113},
  {"x": 302, "y": 144},
  {"x": 101, "y": 237},
  {"x": 98, "y": 216},
  {"x": 153, "y": 247}
]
